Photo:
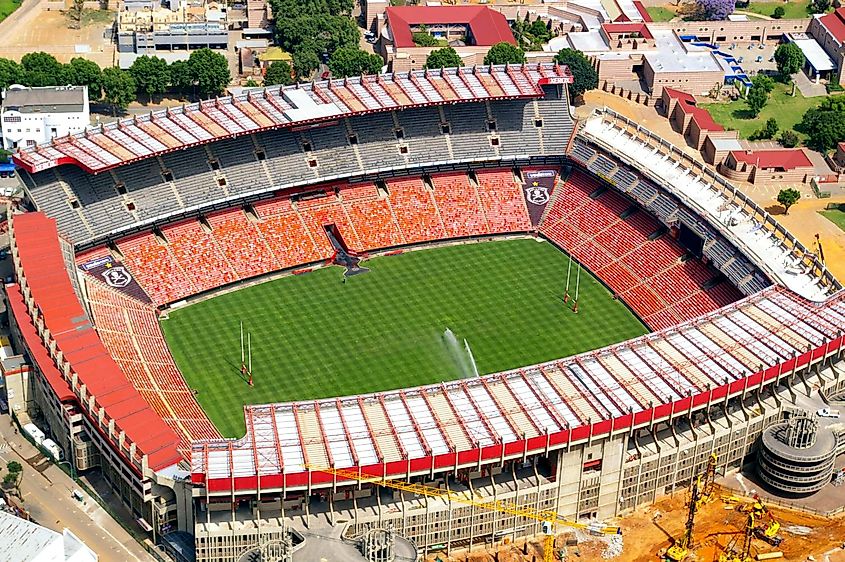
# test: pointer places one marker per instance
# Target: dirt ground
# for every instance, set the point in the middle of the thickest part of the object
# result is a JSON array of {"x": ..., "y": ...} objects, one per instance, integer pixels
[
  {"x": 33, "y": 28},
  {"x": 716, "y": 524}
]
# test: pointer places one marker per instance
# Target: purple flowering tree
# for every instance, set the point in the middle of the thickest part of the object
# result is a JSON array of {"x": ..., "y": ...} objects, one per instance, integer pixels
[{"x": 716, "y": 9}]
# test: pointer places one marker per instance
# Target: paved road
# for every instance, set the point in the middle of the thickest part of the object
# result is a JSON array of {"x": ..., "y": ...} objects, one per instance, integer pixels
[{"x": 46, "y": 492}]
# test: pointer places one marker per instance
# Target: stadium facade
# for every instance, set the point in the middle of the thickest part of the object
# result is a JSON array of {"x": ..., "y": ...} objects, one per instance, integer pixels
[{"x": 133, "y": 217}]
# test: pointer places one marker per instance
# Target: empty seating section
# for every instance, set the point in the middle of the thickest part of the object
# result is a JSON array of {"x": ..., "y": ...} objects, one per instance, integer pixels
[
  {"x": 199, "y": 256},
  {"x": 155, "y": 269},
  {"x": 130, "y": 331},
  {"x": 414, "y": 208},
  {"x": 458, "y": 203},
  {"x": 280, "y": 233},
  {"x": 240, "y": 242},
  {"x": 372, "y": 216},
  {"x": 286, "y": 234},
  {"x": 503, "y": 202},
  {"x": 646, "y": 270},
  {"x": 323, "y": 212},
  {"x": 237, "y": 162}
]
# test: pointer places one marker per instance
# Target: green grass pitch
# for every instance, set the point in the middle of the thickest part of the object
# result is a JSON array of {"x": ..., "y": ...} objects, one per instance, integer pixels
[{"x": 315, "y": 337}]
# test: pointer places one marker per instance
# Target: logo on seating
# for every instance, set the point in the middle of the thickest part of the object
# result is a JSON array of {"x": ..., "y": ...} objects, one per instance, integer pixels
[
  {"x": 117, "y": 277},
  {"x": 537, "y": 194}
]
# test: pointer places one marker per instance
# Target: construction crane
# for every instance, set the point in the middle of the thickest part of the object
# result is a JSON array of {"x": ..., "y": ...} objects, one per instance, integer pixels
[
  {"x": 548, "y": 518},
  {"x": 681, "y": 549},
  {"x": 744, "y": 553},
  {"x": 708, "y": 482},
  {"x": 769, "y": 530}
]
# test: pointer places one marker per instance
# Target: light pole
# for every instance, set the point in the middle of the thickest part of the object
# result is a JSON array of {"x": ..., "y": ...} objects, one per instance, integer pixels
[{"x": 72, "y": 468}]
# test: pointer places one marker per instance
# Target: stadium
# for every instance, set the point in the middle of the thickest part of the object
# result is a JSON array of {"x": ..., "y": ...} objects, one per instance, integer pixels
[{"x": 436, "y": 277}]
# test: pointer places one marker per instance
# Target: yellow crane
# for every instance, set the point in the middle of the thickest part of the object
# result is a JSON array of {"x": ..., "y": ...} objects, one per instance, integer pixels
[
  {"x": 549, "y": 518},
  {"x": 744, "y": 552},
  {"x": 681, "y": 548},
  {"x": 708, "y": 481}
]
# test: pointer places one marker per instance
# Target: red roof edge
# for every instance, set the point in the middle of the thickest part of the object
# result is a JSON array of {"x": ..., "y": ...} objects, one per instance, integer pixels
[
  {"x": 643, "y": 12},
  {"x": 36, "y": 349},
  {"x": 43, "y": 266},
  {"x": 785, "y": 158}
]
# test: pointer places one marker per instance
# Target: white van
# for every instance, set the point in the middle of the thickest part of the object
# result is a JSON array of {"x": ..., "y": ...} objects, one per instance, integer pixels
[
  {"x": 32, "y": 430},
  {"x": 53, "y": 449}
]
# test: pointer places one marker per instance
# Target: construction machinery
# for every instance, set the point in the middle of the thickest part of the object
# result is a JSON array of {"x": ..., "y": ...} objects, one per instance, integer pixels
[
  {"x": 743, "y": 552},
  {"x": 549, "y": 519},
  {"x": 769, "y": 527},
  {"x": 681, "y": 548},
  {"x": 708, "y": 481},
  {"x": 702, "y": 491}
]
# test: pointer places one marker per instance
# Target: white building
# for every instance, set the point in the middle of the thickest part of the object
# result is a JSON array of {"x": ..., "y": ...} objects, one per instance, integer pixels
[
  {"x": 24, "y": 541},
  {"x": 31, "y": 116}
]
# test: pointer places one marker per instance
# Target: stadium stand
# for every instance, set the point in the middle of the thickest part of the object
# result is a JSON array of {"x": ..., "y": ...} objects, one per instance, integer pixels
[
  {"x": 198, "y": 255},
  {"x": 130, "y": 331},
  {"x": 504, "y": 207},
  {"x": 645, "y": 268},
  {"x": 223, "y": 158}
]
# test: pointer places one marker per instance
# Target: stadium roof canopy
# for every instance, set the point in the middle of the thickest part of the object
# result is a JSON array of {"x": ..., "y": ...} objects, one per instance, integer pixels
[
  {"x": 115, "y": 144},
  {"x": 486, "y": 26},
  {"x": 107, "y": 392},
  {"x": 531, "y": 409}
]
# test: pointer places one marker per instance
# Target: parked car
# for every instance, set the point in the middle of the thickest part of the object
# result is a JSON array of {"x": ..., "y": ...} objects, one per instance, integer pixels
[{"x": 827, "y": 413}]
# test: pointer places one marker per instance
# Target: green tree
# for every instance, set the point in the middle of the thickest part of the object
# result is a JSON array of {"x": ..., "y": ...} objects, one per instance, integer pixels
[
  {"x": 151, "y": 75},
  {"x": 279, "y": 72},
  {"x": 788, "y": 139},
  {"x": 756, "y": 100},
  {"x": 778, "y": 13},
  {"x": 769, "y": 130},
  {"x": 788, "y": 197},
  {"x": 789, "y": 59},
  {"x": 10, "y": 73},
  {"x": 209, "y": 71},
  {"x": 84, "y": 72},
  {"x": 305, "y": 62},
  {"x": 41, "y": 69},
  {"x": 446, "y": 57},
  {"x": 825, "y": 125},
  {"x": 539, "y": 30},
  {"x": 820, "y": 6},
  {"x": 504, "y": 53},
  {"x": 425, "y": 39},
  {"x": 118, "y": 88},
  {"x": 180, "y": 76},
  {"x": 583, "y": 72},
  {"x": 352, "y": 61},
  {"x": 763, "y": 82},
  {"x": 14, "y": 476}
]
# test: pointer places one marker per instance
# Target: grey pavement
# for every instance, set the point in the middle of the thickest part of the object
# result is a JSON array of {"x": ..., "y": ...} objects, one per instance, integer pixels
[
  {"x": 46, "y": 492},
  {"x": 807, "y": 87}
]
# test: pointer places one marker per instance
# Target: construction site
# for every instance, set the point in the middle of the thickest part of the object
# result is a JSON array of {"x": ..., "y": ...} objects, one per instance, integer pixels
[{"x": 712, "y": 520}]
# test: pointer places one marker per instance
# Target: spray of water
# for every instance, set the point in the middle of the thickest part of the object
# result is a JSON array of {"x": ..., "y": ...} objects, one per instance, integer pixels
[{"x": 461, "y": 355}]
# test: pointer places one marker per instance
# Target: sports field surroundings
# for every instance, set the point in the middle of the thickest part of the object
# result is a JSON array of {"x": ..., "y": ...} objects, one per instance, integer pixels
[
  {"x": 836, "y": 216},
  {"x": 314, "y": 336},
  {"x": 7, "y": 7}
]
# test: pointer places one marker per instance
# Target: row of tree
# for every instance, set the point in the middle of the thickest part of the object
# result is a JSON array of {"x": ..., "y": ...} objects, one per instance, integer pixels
[
  {"x": 585, "y": 76},
  {"x": 205, "y": 73}
]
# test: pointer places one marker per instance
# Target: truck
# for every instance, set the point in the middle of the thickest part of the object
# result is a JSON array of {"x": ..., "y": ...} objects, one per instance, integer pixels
[
  {"x": 37, "y": 435},
  {"x": 53, "y": 448}
]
